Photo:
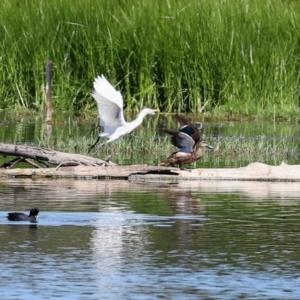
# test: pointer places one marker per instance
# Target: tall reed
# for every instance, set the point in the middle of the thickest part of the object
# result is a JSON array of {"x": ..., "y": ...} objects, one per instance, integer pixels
[{"x": 226, "y": 56}]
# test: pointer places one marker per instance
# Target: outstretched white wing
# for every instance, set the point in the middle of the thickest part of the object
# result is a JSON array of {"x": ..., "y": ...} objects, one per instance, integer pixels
[{"x": 110, "y": 104}]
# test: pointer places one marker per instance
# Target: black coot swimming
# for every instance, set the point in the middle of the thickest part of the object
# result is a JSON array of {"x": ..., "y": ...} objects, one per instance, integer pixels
[{"x": 17, "y": 216}]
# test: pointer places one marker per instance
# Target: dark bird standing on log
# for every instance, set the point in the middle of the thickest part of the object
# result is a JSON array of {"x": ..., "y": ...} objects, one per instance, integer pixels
[
  {"x": 189, "y": 143},
  {"x": 180, "y": 158},
  {"x": 110, "y": 107},
  {"x": 17, "y": 216}
]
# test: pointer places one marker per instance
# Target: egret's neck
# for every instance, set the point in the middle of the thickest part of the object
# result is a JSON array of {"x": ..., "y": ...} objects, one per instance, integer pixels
[{"x": 138, "y": 121}]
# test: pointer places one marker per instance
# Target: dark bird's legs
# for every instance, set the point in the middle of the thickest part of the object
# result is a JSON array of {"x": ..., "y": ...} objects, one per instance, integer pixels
[
  {"x": 92, "y": 146},
  {"x": 182, "y": 168}
]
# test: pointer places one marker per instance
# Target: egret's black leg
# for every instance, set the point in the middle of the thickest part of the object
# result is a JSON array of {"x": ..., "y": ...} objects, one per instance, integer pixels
[{"x": 92, "y": 146}]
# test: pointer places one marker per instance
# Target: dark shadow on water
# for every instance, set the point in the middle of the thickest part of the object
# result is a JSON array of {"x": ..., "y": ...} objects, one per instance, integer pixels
[{"x": 18, "y": 228}]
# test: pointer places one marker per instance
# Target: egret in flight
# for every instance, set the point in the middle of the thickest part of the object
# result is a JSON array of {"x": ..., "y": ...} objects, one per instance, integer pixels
[{"x": 110, "y": 107}]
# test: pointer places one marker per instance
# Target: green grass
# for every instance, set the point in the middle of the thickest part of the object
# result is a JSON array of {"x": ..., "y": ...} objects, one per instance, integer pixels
[
  {"x": 237, "y": 151},
  {"x": 236, "y": 143},
  {"x": 149, "y": 148},
  {"x": 220, "y": 56}
]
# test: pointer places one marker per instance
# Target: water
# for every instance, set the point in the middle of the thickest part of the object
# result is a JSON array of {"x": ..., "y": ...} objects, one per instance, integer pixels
[{"x": 122, "y": 240}]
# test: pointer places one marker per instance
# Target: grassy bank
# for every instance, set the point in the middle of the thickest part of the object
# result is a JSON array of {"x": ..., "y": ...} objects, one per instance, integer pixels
[{"x": 225, "y": 57}]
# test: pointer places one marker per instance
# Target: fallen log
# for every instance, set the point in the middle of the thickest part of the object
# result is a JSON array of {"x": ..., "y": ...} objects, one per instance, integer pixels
[
  {"x": 46, "y": 157},
  {"x": 157, "y": 174},
  {"x": 71, "y": 165},
  {"x": 253, "y": 172},
  {"x": 88, "y": 172}
]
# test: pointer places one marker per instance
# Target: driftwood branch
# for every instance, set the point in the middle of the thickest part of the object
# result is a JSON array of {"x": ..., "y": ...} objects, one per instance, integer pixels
[{"x": 46, "y": 157}]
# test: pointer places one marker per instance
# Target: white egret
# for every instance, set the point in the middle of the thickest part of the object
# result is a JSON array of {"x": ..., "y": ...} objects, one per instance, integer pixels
[{"x": 110, "y": 107}]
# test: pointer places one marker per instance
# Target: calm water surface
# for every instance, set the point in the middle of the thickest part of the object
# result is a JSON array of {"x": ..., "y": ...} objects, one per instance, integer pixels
[{"x": 122, "y": 240}]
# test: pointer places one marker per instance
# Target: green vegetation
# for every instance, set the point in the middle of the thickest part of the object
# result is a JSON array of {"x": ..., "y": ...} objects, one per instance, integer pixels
[
  {"x": 236, "y": 143},
  {"x": 225, "y": 57},
  {"x": 234, "y": 151}
]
